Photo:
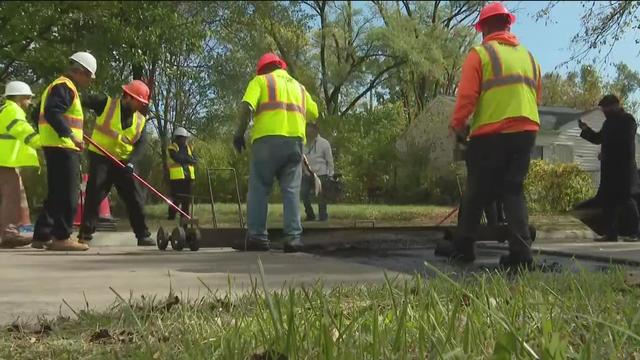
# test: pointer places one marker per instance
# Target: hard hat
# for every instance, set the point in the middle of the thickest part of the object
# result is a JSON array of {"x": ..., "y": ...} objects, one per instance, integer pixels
[
  {"x": 17, "y": 88},
  {"x": 87, "y": 61},
  {"x": 495, "y": 8},
  {"x": 270, "y": 58},
  {"x": 138, "y": 90},
  {"x": 180, "y": 131}
]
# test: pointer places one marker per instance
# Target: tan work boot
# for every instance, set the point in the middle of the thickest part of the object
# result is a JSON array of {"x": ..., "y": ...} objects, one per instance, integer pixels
[
  {"x": 67, "y": 245},
  {"x": 14, "y": 242},
  {"x": 40, "y": 244}
]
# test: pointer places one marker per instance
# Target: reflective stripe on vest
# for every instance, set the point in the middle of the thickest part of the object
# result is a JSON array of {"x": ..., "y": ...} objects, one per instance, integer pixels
[
  {"x": 283, "y": 111},
  {"x": 74, "y": 118},
  {"x": 108, "y": 132},
  {"x": 509, "y": 84},
  {"x": 176, "y": 171}
]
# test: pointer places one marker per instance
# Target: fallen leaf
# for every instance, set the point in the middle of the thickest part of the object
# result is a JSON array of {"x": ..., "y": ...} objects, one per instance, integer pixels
[{"x": 100, "y": 335}]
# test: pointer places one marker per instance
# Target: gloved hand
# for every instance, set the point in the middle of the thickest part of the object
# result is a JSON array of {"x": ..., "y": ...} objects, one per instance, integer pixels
[
  {"x": 128, "y": 169},
  {"x": 238, "y": 143}
]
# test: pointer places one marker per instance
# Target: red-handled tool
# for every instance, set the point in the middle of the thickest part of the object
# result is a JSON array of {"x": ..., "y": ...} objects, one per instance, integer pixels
[{"x": 141, "y": 180}]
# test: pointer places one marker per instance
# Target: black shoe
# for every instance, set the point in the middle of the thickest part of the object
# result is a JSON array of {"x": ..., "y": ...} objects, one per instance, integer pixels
[
  {"x": 146, "y": 241},
  {"x": 293, "y": 246},
  {"x": 513, "y": 262},
  {"x": 449, "y": 250},
  {"x": 252, "y": 245},
  {"x": 310, "y": 218},
  {"x": 606, "y": 238}
]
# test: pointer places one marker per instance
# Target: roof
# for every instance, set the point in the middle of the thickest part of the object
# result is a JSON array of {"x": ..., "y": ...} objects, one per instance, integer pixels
[{"x": 552, "y": 118}]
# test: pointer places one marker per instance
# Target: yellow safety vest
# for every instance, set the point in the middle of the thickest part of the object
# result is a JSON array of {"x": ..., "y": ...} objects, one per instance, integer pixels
[
  {"x": 18, "y": 140},
  {"x": 282, "y": 107},
  {"x": 176, "y": 172},
  {"x": 108, "y": 131},
  {"x": 509, "y": 84},
  {"x": 74, "y": 117}
]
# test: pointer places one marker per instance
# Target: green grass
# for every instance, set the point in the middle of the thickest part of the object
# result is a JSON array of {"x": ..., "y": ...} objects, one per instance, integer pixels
[
  {"x": 340, "y": 214},
  {"x": 348, "y": 214},
  {"x": 548, "y": 316}
]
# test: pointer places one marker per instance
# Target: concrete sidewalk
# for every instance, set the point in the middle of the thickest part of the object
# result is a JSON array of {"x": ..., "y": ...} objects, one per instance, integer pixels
[{"x": 34, "y": 282}]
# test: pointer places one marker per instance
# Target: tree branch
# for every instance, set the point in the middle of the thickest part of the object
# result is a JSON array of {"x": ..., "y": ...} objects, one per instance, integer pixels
[{"x": 372, "y": 84}]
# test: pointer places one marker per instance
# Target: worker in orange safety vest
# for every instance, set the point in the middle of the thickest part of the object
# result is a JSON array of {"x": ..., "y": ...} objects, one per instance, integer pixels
[{"x": 501, "y": 86}]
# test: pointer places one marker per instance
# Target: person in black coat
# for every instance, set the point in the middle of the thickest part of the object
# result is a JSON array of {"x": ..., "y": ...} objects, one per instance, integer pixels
[{"x": 618, "y": 169}]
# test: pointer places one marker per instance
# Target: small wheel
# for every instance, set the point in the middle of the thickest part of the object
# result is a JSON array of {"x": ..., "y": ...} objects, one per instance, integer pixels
[
  {"x": 178, "y": 238},
  {"x": 162, "y": 239},
  {"x": 533, "y": 232},
  {"x": 193, "y": 239}
]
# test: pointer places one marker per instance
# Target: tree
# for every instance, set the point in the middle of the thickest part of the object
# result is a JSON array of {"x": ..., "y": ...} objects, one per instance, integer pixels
[{"x": 604, "y": 23}]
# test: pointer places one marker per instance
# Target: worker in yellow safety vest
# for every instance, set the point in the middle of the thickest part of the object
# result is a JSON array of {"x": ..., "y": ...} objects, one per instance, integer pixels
[
  {"x": 500, "y": 85},
  {"x": 18, "y": 145},
  {"x": 60, "y": 126},
  {"x": 280, "y": 106},
  {"x": 120, "y": 131},
  {"x": 182, "y": 172}
]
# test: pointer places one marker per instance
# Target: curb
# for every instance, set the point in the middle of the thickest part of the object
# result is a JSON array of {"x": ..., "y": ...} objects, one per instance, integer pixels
[{"x": 566, "y": 234}]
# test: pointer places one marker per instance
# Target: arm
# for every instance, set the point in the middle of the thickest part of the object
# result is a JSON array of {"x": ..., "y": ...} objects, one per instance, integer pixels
[
  {"x": 312, "y": 108},
  {"x": 181, "y": 157},
  {"x": 468, "y": 91},
  {"x": 97, "y": 103},
  {"x": 592, "y": 136},
  {"x": 328, "y": 155},
  {"x": 244, "y": 116},
  {"x": 539, "y": 87},
  {"x": 59, "y": 100},
  {"x": 20, "y": 129}
]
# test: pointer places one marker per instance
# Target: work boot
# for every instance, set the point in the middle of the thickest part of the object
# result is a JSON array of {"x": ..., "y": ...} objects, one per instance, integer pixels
[
  {"x": 606, "y": 238},
  {"x": 85, "y": 239},
  {"x": 517, "y": 262},
  {"x": 146, "y": 241},
  {"x": 252, "y": 244},
  {"x": 461, "y": 251},
  {"x": 16, "y": 236},
  {"x": 67, "y": 245},
  {"x": 37, "y": 244},
  {"x": 14, "y": 242},
  {"x": 310, "y": 218},
  {"x": 293, "y": 246},
  {"x": 632, "y": 238}
]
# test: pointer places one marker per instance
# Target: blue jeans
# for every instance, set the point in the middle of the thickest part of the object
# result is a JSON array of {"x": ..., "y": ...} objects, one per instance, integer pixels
[{"x": 275, "y": 157}]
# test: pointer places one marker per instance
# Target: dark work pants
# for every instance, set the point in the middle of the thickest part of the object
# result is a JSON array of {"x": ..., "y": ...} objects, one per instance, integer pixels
[
  {"x": 307, "y": 192},
  {"x": 63, "y": 180},
  {"x": 104, "y": 174},
  {"x": 613, "y": 211},
  {"x": 497, "y": 166},
  {"x": 181, "y": 196}
]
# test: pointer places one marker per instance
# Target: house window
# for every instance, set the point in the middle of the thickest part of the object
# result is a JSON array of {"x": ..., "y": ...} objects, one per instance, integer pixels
[{"x": 537, "y": 153}]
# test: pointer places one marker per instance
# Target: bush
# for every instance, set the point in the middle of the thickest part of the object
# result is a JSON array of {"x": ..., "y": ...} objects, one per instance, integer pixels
[{"x": 556, "y": 187}]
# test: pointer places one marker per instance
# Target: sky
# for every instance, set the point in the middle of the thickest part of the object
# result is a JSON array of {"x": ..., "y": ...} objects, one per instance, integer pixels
[{"x": 550, "y": 42}]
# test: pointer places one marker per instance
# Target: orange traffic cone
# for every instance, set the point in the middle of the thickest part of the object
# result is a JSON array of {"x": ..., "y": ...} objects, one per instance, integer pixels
[{"x": 104, "y": 211}]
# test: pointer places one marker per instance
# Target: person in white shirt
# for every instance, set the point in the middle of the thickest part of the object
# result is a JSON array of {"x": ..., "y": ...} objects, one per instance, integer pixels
[{"x": 318, "y": 153}]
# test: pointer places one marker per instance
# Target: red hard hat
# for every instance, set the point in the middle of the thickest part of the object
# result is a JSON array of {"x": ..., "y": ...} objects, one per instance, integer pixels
[
  {"x": 270, "y": 58},
  {"x": 138, "y": 90},
  {"x": 492, "y": 9}
]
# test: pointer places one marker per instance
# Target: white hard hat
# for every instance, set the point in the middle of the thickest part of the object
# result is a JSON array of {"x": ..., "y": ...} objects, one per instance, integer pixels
[
  {"x": 87, "y": 61},
  {"x": 17, "y": 88},
  {"x": 180, "y": 131}
]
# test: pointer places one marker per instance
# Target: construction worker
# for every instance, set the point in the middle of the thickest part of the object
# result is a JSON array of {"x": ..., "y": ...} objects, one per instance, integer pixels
[
  {"x": 60, "y": 126},
  {"x": 18, "y": 144},
  {"x": 120, "y": 131},
  {"x": 281, "y": 106},
  {"x": 500, "y": 85},
  {"x": 181, "y": 171}
]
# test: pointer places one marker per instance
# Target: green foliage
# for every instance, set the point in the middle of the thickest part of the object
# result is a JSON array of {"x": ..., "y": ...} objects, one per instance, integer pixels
[{"x": 556, "y": 187}]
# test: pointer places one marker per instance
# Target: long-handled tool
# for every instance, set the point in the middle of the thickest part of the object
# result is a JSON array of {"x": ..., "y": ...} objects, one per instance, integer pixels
[
  {"x": 136, "y": 176},
  {"x": 316, "y": 180}
]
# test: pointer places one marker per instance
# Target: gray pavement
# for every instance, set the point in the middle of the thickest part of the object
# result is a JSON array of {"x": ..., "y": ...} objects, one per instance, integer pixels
[{"x": 35, "y": 282}]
